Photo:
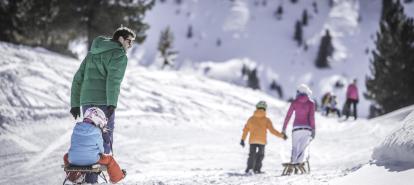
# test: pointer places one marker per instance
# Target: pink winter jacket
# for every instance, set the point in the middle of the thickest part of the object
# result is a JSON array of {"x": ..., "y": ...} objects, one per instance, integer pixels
[
  {"x": 304, "y": 112},
  {"x": 352, "y": 92}
]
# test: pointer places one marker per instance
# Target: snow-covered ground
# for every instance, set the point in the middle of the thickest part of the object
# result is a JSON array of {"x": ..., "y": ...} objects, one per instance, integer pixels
[{"x": 183, "y": 128}]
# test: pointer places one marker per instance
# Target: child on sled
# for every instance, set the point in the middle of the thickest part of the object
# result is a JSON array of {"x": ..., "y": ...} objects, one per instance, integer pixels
[{"x": 86, "y": 146}]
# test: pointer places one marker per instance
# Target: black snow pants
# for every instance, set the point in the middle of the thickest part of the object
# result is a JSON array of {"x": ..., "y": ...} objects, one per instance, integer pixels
[
  {"x": 348, "y": 104},
  {"x": 256, "y": 156}
]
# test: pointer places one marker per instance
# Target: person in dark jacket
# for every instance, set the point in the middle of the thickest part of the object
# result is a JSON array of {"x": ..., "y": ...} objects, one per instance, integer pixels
[{"x": 98, "y": 79}]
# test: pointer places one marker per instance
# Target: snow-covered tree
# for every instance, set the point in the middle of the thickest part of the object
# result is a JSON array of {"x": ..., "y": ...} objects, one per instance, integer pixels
[
  {"x": 165, "y": 45},
  {"x": 315, "y": 7},
  {"x": 53, "y": 24},
  {"x": 253, "y": 80},
  {"x": 331, "y": 3},
  {"x": 392, "y": 66},
  {"x": 190, "y": 32},
  {"x": 278, "y": 13},
  {"x": 305, "y": 17},
  {"x": 251, "y": 75},
  {"x": 218, "y": 42},
  {"x": 298, "y": 35},
  {"x": 325, "y": 51},
  {"x": 276, "y": 87}
]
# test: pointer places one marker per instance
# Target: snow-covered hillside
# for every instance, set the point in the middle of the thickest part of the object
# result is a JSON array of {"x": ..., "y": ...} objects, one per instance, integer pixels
[
  {"x": 249, "y": 30},
  {"x": 179, "y": 128}
]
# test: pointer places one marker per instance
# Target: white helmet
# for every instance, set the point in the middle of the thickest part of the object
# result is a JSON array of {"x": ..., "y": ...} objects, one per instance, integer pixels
[
  {"x": 302, "y": 88},
  {"x": 97, "y": 116}
]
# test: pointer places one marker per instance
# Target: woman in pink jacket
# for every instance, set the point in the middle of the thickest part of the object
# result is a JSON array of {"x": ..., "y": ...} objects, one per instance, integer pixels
[
  {"x": 351, "y": 99},
  {"x": 303, "y": 126}
]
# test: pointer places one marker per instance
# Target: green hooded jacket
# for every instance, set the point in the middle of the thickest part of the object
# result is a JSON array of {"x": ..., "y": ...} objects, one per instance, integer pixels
[{"x": 98, "y": 79}]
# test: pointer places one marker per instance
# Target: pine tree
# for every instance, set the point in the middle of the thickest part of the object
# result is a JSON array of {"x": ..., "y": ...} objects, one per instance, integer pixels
[
  {"x": 305, "y": 17},
  {"x": 294, "y": 1},
  {"x": 279, "y": 12},
  {"x": 315, "y": 7},
  {"x": 178, "y": 2},
  {"x": 102, "y": 17},
  {"x": 325, "y": 50},
  {"x": 298, "y": 36},
  {"x": 218, "y": 42},
  {"x": 253, "y": 80},
  {"x": 392, "y": 66},
  {"x": 165, "y": 45},
  {"x": 264, "y": 2},
  {"x": 190, "y": 32},
  {"x": 276, "y": 87},
  {"x": 331, "y": 3},
  {"x": 54, "y": 23}
]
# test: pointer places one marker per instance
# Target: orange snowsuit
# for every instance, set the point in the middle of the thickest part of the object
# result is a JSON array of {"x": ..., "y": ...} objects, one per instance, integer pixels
[
  {"x": 114, "y": 171},
  {"x": 258, "y": 125}
]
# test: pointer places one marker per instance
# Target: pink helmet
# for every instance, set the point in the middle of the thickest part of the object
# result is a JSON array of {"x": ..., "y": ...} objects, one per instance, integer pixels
[{"x": 97, "y": 116}]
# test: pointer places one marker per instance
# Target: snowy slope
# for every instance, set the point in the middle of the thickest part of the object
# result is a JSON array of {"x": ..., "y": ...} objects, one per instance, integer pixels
[
  {"x": 35, "y": 83},
  {"x": 248, "y": 30},
  {"x": 392, "y": 160},
  {"x": 177, "y": 128}
]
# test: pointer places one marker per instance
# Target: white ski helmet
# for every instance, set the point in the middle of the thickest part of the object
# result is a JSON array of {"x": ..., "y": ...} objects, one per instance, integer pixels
[
  {"x": 302, "y": 88},
  {"x": 97, "y": 116}
]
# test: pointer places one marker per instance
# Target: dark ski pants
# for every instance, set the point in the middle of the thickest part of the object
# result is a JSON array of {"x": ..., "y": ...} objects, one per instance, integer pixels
[
  {"x": 256, "y": 156},
  {"x": 348, "y": 104},
  {"x": 107, "y": 137}
]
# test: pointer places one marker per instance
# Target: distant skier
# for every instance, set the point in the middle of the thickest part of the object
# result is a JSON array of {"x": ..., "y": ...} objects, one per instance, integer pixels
[
  {"x": 332, "y": 106},
  {"x": 257, "y": 125},
  {"x": 98, "y": 79},
  {"x": 326, "y": 98},
  {"x": 303, "y": 126},
  {"x": 352, "y": 98},
  {"x": 86, "y": 145}
]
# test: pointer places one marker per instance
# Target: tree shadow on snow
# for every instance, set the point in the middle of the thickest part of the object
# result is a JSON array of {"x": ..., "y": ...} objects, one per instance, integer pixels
[
  {"x": 395, "y": 166},
  {"x": 237, "y": 174}
]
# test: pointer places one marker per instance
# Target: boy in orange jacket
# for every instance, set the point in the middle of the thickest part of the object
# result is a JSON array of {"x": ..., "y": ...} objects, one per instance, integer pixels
[{"x": 257, "y": 125}]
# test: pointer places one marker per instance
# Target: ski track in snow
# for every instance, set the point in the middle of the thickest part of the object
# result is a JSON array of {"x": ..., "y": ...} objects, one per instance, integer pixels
[{"x": 166, "y": 153}]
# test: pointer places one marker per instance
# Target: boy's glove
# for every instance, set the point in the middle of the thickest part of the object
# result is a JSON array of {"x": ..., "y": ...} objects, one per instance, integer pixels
[
  {"x": 284, "y": 136},
  {"x": 110, "y": 110},
  {"x": 242, "y": 143},
  {"x": 75, "y": 111}
]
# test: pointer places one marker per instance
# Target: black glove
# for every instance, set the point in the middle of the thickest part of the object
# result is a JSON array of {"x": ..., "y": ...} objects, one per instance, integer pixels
[
  {"x": 75, "y": 111},
  {"x": 284, "y": 136},
  {"x": 110, "y": 110},
  {"x": 242, "y": 143}
]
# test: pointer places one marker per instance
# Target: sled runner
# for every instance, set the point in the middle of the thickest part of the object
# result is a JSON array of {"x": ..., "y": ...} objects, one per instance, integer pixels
[
  {"x": 290, "y": 168},
  {"x": 76, "y": 174}
]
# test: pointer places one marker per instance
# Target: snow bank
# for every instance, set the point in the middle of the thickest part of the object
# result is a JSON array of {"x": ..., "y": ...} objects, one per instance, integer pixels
[
  {"x": 34, "y": 83},
  {"x": 228, "y": 71},
  {"x": 398, "y": 148}
]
